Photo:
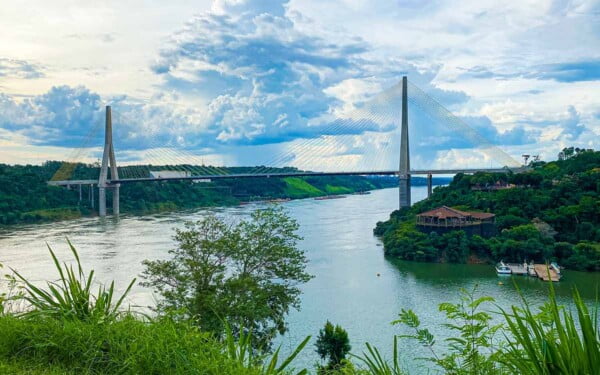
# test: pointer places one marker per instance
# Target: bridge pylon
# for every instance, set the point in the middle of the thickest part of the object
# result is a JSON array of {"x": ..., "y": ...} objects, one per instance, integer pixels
[
  {"x": 108, "y": 162},
  {"x": 404, "y": 171}
]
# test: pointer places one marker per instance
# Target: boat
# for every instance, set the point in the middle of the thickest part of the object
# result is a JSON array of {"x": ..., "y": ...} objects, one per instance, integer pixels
[
  {"x": 362, "y": 193},
  {"x": 556, "y": 267},
  {"x": 503, "y": 269}
]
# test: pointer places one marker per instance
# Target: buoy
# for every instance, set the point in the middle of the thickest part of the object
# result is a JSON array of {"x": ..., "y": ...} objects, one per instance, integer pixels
[
  {"x": 500, "y": 283},
  {"x": 378, "y": 274}
]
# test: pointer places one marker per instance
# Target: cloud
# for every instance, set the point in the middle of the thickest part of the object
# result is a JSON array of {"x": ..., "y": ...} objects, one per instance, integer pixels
[
  {"x": 255, "y": 66},
  {"x": 246, "y": 79},
  {"x": 572, "y": 126},
  {"x": 12, "y": 68},
  {"x": 573, "y": 71}
]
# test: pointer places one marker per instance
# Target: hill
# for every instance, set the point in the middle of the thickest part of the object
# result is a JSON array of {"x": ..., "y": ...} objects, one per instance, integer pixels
[{"x": 551, "y": 213}]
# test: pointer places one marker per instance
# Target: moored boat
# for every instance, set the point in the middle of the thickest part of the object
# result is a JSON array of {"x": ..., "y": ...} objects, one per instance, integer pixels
[{"x": 503, "y": 269}]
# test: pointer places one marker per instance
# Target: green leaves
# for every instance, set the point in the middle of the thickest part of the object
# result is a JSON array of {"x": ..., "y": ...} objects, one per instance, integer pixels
[
  {"x": 240, "y": 350},
  {"x": 561, "y": 342},
  {"x": 246, "y": 273},
  {"x": 471, "y": 349},
  {"x": 333, "y": 344},
  {"x": 72, "y": 297}
]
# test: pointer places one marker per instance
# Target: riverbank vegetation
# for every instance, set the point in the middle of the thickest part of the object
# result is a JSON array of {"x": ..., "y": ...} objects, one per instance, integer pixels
[
  {"x": 46, "y": 338},
  {"x": 75, "y": 325},
  {"x": 550, "y": 213},
  {"x": 25, "y": 196}
]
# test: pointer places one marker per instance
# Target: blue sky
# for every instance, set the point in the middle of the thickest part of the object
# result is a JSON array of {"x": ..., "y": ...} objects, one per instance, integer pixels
[{"x": 238, "y": 82}]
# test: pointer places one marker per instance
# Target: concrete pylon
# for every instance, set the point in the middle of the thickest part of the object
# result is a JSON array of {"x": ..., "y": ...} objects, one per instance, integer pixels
[
  {"x": 108, "y": 158},
  {"x": 404, "y": 171},
  {"x": 429, "y": 184}
]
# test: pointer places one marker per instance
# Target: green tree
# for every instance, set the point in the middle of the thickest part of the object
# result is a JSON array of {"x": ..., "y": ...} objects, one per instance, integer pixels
[
  {"x": 245, "y": 274},
  {"x": 471, "y": 349},
  {"x": 333, "y": 345}
]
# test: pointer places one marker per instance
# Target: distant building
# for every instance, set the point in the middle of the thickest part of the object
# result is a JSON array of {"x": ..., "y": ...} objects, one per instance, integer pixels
[{"x": 445, "y": 219}]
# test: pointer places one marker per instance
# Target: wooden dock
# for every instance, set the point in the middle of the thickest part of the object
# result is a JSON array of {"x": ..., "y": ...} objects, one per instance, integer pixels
[
  {"x": 543, "y": 271},
  {"x": 517, "y": 268}
]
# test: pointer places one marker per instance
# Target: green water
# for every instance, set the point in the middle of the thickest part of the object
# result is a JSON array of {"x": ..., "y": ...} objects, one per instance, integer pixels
[{"x": 355, "y": 285}]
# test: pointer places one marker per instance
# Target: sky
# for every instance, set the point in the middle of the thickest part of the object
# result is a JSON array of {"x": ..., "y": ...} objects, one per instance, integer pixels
[{"x": 307, "y": 83}]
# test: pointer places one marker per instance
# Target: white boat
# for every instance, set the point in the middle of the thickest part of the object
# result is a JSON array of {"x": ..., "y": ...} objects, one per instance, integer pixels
[{"x": 503, "y": 269}]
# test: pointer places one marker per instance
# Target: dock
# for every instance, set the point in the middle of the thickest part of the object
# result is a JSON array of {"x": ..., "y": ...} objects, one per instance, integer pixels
[
  {"x": 517, "y": 269},
  {"x": 542, "y": 271}
]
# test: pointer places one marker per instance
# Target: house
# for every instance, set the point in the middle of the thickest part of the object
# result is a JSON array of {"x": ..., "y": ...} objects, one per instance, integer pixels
[{"x": 445, "y": 219}]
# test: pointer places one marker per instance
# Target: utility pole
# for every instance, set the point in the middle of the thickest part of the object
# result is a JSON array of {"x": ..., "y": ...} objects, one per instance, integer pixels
[{"x": 404, "y": 171}]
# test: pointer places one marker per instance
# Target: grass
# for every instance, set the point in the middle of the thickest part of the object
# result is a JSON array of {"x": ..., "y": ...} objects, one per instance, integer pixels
[
  {"x": 126, "y": 346},
  {"x": 72, "y": 296},
  {"x": 555, "y": 341},
  {"x": 69, "y": 329},
  {"x": 299, "y": 188},
  {"x": 332, "y": 189}
]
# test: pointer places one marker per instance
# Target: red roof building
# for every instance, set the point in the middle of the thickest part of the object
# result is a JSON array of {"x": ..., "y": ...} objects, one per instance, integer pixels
[{"x": 450, "y": 217}]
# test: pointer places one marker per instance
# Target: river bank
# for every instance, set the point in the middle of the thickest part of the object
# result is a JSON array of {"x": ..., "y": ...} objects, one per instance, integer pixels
[{"x": 343, "y": 254}]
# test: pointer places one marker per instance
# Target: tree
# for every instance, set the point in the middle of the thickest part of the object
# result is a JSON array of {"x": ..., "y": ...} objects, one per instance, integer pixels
[
  {"x": 333, "y": 344},
  {"x": 245, "y": 274}
]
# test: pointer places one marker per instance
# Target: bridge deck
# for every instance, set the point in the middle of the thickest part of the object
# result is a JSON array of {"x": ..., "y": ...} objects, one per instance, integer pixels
[{"x": 292, "y": 174}]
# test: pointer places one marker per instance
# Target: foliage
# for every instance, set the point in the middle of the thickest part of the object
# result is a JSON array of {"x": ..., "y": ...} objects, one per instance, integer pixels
[
  {"x": 471, "y": 350},
  {"x": 124, "y": 346},
  {"x": 25, "y": 196},
  {"x": 333, "y": 345},
  {"x": 556, "y": 342},
  {"x": 246, "y": 274},
  {"x": 553, "y": 204},
  {"x": 72, "y": 297},
  {"x": 241, "y": 350},
  {"x": 68, "y": 330},
  {"x": 377, "y": 365}
]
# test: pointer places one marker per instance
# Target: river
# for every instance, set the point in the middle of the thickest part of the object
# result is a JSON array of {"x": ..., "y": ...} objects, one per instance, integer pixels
[{"x": 354, "y": 284}]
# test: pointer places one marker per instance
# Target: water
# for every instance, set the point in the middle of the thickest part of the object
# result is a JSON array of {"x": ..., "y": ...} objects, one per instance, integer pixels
[{"x": 354, "y": 285}]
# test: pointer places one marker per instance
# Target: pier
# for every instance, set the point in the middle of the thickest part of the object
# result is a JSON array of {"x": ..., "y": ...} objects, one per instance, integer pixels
[
  {"x": 546, "y": 272},
  {"x": 541, "y": 271}
]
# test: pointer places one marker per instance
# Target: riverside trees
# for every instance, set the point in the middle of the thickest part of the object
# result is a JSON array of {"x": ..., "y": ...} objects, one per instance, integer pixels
[
  {"x": 246, "y": 274},
  {"x": 552, "y": 213}
]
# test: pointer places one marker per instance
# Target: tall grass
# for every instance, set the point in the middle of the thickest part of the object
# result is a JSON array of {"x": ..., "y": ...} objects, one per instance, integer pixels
[
  {"x": 558, "y": 341},
  {"x": 376, "y": 364},
  {"x": 72, "y": 297},
  {"x": 241, "y": 350},
  {"x": 69, "y": 329}
]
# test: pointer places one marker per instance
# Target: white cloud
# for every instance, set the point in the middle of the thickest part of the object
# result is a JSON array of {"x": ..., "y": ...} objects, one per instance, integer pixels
[{"x": 252, "y": 72}]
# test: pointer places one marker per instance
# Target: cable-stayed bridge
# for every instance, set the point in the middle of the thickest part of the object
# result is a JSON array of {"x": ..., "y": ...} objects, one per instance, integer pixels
[{"x": 309, "y": 156}]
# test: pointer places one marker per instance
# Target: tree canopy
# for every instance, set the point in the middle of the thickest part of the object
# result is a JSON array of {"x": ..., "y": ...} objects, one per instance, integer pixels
[
  {"x": 550, "y": 213},
  {"x": 246, "y": 273}
]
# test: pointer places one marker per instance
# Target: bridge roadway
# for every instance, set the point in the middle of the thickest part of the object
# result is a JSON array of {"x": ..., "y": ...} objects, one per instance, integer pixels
[{"x": 291, "y": 174}]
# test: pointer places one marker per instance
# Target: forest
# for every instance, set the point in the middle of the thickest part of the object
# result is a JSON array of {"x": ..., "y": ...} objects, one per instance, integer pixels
[
  {"x": 25, "y": 196},
  {"x": 550, "y": 213}
]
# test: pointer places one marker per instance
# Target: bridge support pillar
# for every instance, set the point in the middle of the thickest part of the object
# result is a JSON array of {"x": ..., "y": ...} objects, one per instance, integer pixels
[
  {"x": 108, "y": 159},
  {"x": 115, "y": 201},
  {"x": 404, "y": 171},
  {"x": 102, "y": 201},
  {"x": 429, "y": 184}
]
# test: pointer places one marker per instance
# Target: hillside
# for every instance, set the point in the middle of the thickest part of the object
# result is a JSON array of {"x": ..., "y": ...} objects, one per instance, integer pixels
[
  {"x": 25, "y": 197},
  {"x": 551, "y": 213}
]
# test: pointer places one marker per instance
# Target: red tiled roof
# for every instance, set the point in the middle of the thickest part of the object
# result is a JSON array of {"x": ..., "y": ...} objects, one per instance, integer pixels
[{"x": 445, "y": 212}]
